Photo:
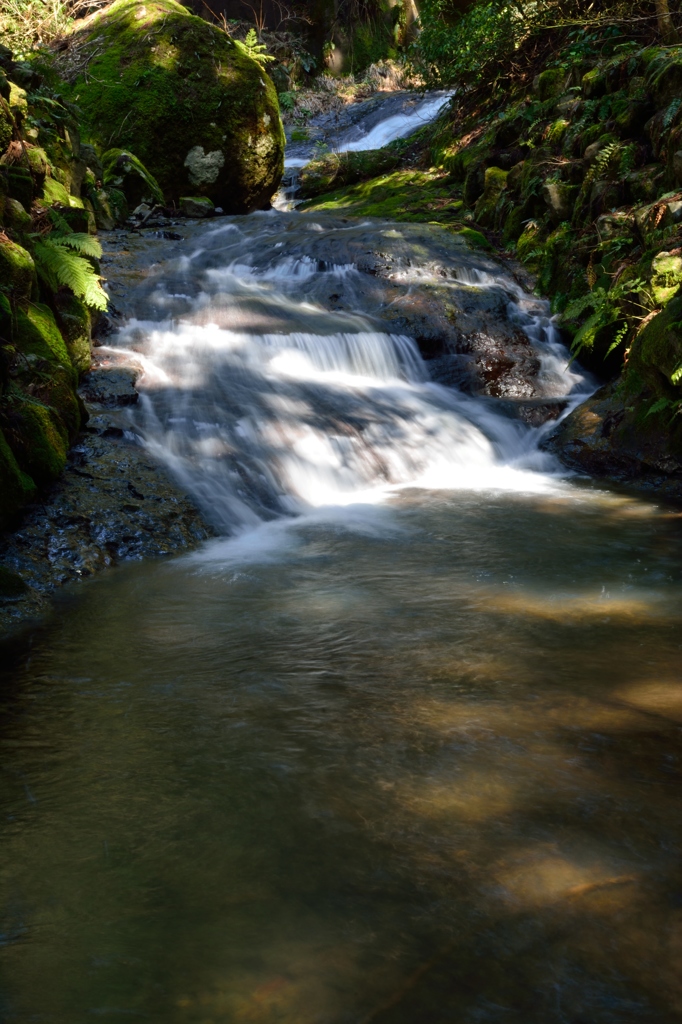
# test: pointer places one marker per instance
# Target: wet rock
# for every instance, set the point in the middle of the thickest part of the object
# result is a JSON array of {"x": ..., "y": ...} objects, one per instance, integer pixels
[
  {"x": 111, "y": 504},
  {"x": 196, "y": 206},
  {"x": 628, "y": 430},
  {"x": 604, "y": 438},
  {"x": 336, "y": 170},
  {"x": 110, "y": 384}
]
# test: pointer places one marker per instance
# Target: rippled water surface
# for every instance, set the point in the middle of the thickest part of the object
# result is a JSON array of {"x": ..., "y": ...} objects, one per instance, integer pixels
[{"x": 419, "y": 762}]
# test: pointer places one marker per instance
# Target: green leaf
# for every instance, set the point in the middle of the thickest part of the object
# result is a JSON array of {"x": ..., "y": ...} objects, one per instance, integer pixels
[
  {"x": 57, "y": 265},
  {"x": 82, "y": 243},
  {"x": 659, "y": 406}
]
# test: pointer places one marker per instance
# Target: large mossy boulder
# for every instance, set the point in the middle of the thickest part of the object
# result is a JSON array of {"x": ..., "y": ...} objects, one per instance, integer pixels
[{"x": 200, "y": 114}]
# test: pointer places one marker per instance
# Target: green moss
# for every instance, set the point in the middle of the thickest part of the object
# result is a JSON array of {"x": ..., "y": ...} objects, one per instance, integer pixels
[
  {"x": 20, "y": 185},
  {"x": 37, "y": 334},
  {"x": 528, "y": 241},
  {"x": 336, "y": 170},
  {"x": 123, "y": 170},
  {"x": 15, "y": 215},
  {"x": 55, "y": 193},
  {"x": 17, "y": 271},
  {"x": 513, "y": 225},
  {"x": 495, "y": 183},
  {"x": 198, "y": 112},
  {"x": 6, "y": 125},
  {"x": 18, "y": 101},
  {"x": 656, "y": 354},
  {"x": 666, "y": 277},
  {"x": 474, "y": 238},
  {"x": 75, "y": 324},
  {"x": 40, "y": 442},
  {"x": 594, "y": 83},
  {"x": 16, "y": 488},
  {"x": 549, "y": 84},
  {"x": 403, "y": 195}
]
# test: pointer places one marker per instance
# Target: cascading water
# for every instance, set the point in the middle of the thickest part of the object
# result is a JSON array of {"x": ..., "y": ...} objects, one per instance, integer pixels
[{"x": 263, "y": 402}]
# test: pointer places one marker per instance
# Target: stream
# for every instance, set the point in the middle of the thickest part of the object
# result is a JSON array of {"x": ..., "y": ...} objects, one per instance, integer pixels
[{"x": 403, "y": 742}]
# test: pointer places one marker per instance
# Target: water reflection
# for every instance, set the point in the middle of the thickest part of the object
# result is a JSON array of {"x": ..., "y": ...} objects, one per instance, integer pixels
[{"x": 363, "y": 778}]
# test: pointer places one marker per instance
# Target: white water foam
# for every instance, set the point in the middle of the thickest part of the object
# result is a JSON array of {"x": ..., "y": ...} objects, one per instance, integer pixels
[
  {"x": 398, "y": 126},
  {"x": 258, "y": 424}
]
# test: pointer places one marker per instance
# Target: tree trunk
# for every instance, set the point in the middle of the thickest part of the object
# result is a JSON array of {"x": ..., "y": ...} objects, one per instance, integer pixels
[{"x": 666, "y": 28}]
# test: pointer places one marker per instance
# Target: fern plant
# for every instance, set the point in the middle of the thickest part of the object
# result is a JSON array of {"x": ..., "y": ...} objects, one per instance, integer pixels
[
  {"x": 252, "y": 48},
  {"x": 61, "y": 258},
  {"x": 607, "y": 310}
]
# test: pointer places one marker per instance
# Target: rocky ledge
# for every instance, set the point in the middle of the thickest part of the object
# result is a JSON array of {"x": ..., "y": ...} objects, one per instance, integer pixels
[{"x": 112, "y": 504}]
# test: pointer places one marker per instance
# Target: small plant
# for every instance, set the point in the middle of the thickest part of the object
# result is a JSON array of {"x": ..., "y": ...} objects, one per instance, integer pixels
[
  {"x": 607, "y": 309},
  {"x": 287, "y": 101},
  {"x": 252, "y": 48}
]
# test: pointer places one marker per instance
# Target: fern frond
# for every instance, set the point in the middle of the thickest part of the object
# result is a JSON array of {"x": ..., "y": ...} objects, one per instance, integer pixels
[
  {"x": 58, "y": 222},
  {"x": 577, "y": 306},
  {"x": 659, "y": 406},
  {"x": 58, "y": 265},
  {"x": 80, "y": 242}
]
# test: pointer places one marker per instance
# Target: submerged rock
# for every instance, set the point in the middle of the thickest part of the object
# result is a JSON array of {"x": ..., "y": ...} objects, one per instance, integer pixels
[{"x": 200, "y": 114}]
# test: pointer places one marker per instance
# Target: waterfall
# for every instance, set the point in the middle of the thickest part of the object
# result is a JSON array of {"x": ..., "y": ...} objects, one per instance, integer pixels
[{"x": 264, "y": 402}]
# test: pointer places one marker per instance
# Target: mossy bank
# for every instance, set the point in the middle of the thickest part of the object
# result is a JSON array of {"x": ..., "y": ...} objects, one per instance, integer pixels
[{"x": 49, "y": 284}]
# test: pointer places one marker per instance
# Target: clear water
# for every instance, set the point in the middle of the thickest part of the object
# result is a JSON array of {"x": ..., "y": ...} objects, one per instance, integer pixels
[{"x": 403, "y": 745}]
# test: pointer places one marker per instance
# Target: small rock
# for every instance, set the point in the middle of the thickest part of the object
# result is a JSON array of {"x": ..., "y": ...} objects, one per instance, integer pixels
[
  {"x": 110, "y": 386},
  {"x": 196, "y": 206},
  {"x": 593, "y": 149},
  {"x": 559, "y": 198},
  {"x": 675, "y": 209},
  {"x": 610, "y": 225}
]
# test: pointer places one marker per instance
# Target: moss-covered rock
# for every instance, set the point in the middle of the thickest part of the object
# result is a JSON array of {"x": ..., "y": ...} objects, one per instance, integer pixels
[
  {"x": 37, "y": 334},
  {"x": 549, "y": 84},
  {"x": 402, "y": 195},
  {"x": 39, "y": 441},
  {"x": 198, "y": 112},
  {"x": 75, "y": 323},
  {"x": 122, "y": 170},
  {"x": 20, "y": 185},
  {"x": 495, "y": 182},
  {"x": 15, "y": 216},
  {"x": 196, "y": 206},
  {"x": 17, "y": 271},
  {"x": 16, "y": 488},
  {"x": 6, "y": 125},
  {"x": 335, "y": 170},
  {"x": 656, "y": 355},
  {"x": 666, "y": 277}
]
